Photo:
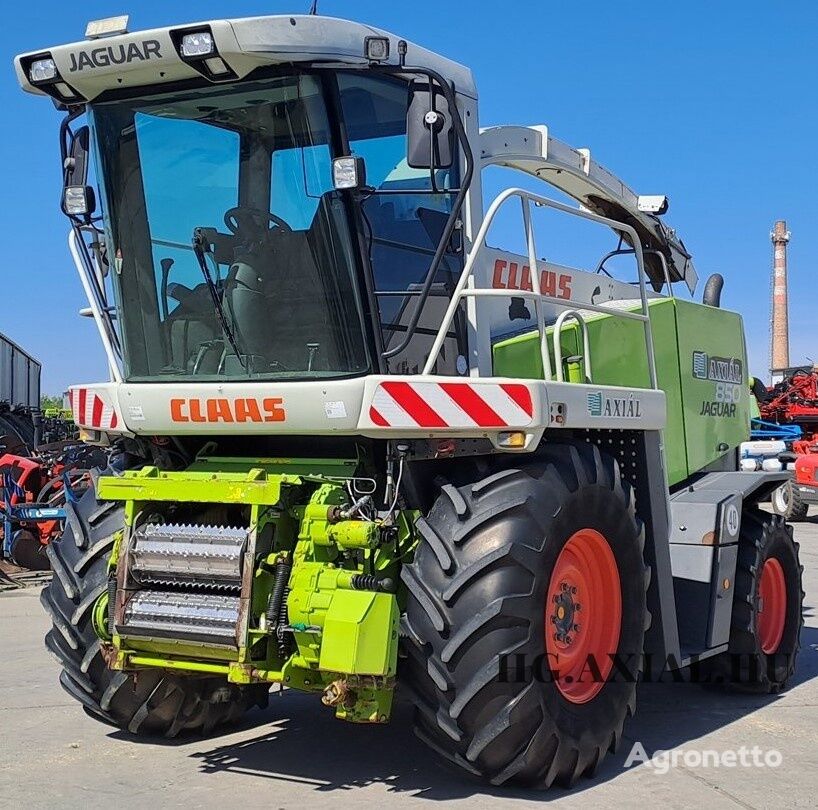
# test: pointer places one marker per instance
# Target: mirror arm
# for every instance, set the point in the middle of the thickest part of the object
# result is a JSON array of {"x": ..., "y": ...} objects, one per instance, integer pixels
[
  {"x": 432, "y": 180},
  {"x": 66, "y": 134},
  {"x": 454, "y": 216}
]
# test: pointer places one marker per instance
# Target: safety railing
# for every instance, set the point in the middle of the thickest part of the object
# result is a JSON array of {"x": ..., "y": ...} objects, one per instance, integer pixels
[
  {"x": 464, "y": 290},
  {"x": 93, "y": 284}
]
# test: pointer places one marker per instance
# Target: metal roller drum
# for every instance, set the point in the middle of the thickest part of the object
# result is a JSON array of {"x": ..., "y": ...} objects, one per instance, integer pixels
[
  {"x": 170, "y": 554},
  {"x": 205, "y": 617}
]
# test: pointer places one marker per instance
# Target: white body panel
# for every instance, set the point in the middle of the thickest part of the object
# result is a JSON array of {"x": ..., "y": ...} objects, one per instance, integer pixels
[{"x": 375, "y": 406}]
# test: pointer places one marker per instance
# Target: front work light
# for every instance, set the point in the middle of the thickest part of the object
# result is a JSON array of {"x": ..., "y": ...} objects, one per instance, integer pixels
[
  {"x": 376, "y": 49},
  {"x": 348, "y": 172},
  {"x": 43, "y": 70},
  {"x": 78, "y": 201},
  {"x": 198, "y": 44}
]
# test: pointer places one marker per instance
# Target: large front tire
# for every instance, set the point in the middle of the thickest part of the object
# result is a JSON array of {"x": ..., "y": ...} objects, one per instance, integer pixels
[
  {"x": 154, "y": 703},
  {"x": 505, "y": 579}
]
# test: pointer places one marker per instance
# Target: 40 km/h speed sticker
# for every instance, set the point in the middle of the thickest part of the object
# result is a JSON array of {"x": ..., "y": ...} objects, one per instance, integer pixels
[{"x": 732, "y": 520}]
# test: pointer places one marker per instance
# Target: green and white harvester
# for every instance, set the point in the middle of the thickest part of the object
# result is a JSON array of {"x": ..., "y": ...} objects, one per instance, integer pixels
[{"x": 355, "y": 450}]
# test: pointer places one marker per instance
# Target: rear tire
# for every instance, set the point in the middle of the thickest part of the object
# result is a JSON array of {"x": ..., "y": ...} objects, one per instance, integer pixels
[
  {"x": 153, "y": 703},
  {"x": 787, "y": 502},
  {"x": 767, "y": 607},
  {"x": 480, "y": 591},
  {"x": 28, "y": 552}
]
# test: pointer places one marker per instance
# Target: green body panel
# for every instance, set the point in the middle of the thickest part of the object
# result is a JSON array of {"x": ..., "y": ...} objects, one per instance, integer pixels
[
  {"x": 353, "y": 629},
  {"x": 717, "y": 393},
  {"x": 693, "y": 439},
  {"x": 253, "y": 487}
]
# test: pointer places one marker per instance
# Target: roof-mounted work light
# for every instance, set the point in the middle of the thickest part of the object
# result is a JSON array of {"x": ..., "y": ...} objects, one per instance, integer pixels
[
  {"x": 197, "y": 47},
  {"x": 42, "y": 70},
  {"x": 376, "y": 49}
]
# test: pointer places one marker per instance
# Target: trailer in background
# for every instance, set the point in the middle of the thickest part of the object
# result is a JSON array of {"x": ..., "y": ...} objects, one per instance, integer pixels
[{"x": 19, "y": 375}]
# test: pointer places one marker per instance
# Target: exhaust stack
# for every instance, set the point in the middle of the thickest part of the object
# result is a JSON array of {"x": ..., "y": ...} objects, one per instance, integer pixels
[{"x": 779, "y": 327}]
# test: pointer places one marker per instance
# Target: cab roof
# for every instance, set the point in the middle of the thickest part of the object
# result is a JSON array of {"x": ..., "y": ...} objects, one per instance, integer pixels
[{"x": 152, "y": 59}]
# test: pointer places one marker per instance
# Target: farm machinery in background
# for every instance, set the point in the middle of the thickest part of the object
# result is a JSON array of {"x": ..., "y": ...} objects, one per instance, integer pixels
[
  {"x": 787, "y": 432},
  {"x": 42, "y": 465}
]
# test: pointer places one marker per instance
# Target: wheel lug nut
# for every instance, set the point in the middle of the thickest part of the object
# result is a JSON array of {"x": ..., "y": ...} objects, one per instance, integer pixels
[
  {"x": 576, "y": 628},
  {"x": 573, "y": 589},
  {"x": 568, "y": 639},
  {"x": 577, "y": 607}
]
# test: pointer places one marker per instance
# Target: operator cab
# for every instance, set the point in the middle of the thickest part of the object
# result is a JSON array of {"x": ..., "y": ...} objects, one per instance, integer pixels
[{"x": 277, "y": 223}]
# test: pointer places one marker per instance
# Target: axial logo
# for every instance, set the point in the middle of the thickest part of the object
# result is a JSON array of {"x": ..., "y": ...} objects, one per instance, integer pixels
[
  {"x": 717, "y": 369},
  {"x": 602, "y": 405},
  {"x": 243, "y": 409},
  {"x": 114, "y": 55}
]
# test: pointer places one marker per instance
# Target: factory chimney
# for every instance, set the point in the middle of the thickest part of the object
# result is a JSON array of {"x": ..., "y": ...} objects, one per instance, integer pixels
[{"x": 779, "y": 329}]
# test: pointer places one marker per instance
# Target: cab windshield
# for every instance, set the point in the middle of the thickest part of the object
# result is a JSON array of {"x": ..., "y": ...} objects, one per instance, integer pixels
[
  {"x": 234, "y": 255},
  {"x": 231, "y": 249}
]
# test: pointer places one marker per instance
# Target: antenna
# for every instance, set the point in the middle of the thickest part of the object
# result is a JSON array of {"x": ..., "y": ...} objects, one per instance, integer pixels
[{"x": 314, "y": 7}]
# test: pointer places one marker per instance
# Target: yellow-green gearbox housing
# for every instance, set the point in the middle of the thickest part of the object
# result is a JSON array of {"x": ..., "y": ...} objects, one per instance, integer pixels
[{"x": 259, "y": 570}]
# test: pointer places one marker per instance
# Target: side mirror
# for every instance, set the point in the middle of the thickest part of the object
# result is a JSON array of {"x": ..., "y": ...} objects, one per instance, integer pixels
[
  {"x": 78, "y": 198},
  {"x": 429, "y": 131}
]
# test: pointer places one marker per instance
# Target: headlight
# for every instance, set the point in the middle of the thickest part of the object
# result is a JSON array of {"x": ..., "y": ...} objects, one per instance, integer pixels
[
  {"x": 42, "y": 70},
  {"x": 198, "y": 44}
]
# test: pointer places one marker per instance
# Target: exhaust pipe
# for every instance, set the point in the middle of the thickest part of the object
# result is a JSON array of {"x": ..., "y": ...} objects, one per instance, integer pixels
[{"x": 712, "y": 290}]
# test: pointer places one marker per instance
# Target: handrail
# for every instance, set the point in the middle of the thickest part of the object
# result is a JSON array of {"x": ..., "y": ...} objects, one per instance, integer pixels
[
  {"x": 99, "y": 318},
  {"x": 586, "y": 344},
  {"x": 462, "y": 290}
]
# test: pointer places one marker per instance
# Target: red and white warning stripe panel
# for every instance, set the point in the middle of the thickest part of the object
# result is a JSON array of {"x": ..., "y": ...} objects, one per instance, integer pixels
[
  {"x": 92, "y": 409},
  {"x": 436, "y": 405}
]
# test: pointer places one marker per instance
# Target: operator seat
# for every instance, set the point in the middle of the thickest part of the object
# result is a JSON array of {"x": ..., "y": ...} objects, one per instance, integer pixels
[
  {"x": 277, "y": 304},
  {"x": 191, "y": 325}
]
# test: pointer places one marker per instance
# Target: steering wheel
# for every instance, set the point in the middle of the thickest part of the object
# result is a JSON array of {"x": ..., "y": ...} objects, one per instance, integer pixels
[{"x": 242, "y": 218}]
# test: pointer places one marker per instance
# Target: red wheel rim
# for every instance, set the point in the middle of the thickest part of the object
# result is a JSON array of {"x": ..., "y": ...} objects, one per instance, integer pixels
[
  {"x": 583, "y": 615},
  {"x": 772, "y": 609}
]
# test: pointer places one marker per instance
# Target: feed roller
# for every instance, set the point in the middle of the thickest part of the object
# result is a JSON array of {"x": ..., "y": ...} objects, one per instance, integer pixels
[{"x": 188, "y": 554}]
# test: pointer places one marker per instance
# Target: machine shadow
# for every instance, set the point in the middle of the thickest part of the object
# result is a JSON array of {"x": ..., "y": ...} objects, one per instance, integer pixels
[{"x": 310, "y": 747}]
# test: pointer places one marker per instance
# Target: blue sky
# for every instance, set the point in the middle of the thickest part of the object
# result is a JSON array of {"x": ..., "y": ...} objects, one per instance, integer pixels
[{"x": 712, "y": 103}]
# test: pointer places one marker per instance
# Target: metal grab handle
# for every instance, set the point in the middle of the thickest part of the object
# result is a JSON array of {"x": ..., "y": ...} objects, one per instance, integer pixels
[{"x": 586, "y": 345}]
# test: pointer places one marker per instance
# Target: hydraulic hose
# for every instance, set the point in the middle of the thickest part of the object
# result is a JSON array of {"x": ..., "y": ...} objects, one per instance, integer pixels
[{"x": 277, "y": 617}]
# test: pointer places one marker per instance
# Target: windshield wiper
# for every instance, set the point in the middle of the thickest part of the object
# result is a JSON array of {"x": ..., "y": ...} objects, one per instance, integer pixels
[{"x": 200, "y": 248}]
